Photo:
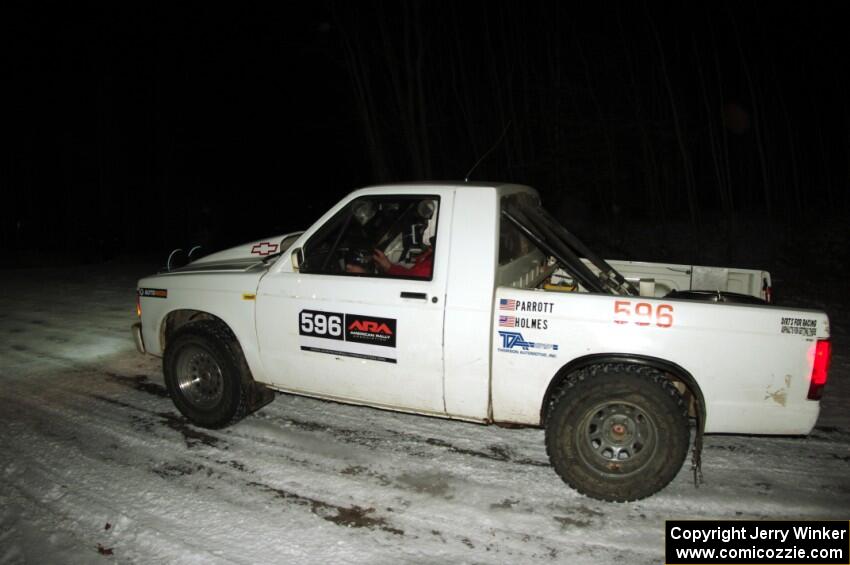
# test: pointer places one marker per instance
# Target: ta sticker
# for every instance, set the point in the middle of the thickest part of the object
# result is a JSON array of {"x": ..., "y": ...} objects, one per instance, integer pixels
[{"x": 514, "y": 342}]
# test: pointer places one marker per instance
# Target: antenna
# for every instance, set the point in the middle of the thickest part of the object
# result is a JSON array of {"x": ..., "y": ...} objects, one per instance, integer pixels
[{"x": 478, "y": 162}]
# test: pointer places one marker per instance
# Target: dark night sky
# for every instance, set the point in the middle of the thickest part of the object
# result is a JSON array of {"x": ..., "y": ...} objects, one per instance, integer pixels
[{"x": 151, "y": 126}]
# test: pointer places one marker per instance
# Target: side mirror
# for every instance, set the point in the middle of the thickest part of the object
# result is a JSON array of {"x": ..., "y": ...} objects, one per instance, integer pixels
[{"x": 296, "y": 258}]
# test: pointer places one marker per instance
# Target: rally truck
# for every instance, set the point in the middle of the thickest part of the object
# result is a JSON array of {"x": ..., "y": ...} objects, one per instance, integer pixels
[{"x": 470, "y": 301}]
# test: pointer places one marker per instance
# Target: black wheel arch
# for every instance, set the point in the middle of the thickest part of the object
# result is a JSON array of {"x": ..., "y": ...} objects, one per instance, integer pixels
[
  {"x": 176, "y": 319},
  {"x": 671, "y": 370}
]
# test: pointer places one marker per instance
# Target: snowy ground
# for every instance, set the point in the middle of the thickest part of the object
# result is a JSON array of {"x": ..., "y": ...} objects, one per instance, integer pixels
[{"x": 96, "y": 464}]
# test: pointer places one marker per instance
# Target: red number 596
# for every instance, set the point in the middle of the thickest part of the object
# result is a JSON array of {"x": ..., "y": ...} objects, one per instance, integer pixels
[{"x": 643, "y": 313}]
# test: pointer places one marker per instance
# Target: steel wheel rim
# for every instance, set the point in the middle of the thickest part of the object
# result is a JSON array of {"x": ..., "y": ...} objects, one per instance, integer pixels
[
  {"x": 199, "y": 377},
  {"x": 617, "y": 438}
]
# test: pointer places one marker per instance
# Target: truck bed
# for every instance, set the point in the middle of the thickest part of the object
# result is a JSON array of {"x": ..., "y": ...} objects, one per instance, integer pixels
[
  {"x": 668, "y": 277},
  {"x": 654, "y": 279}
]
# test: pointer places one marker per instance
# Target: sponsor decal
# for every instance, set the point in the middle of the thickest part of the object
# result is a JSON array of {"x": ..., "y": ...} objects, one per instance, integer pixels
[
  {"x": 264, "y": 248},
  {"x": 514, "y": 342},
  {"x": 526, "y": 323},
  {"x": 799, "y": 326},
  {"x": 355, "y": 329},
  {"x": 153, "y": 292},
  {"x": 526, "y": 305},
  {"x": 371, "y": 330}
]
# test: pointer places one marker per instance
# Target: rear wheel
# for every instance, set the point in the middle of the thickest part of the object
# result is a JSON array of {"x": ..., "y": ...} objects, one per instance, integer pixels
[
  {"x": 617, "y": 432},
  {"x": 206, "y": 375}
]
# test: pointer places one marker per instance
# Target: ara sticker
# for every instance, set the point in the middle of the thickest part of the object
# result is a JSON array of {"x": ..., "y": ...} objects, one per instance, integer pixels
[
  {"x": 153, "y": 292},
  {"x": 364, "y": 337},
  {"x": 799, "y": 326},
  {"x": 264, "y": 248},
  {"x": 371, "y": 330}
]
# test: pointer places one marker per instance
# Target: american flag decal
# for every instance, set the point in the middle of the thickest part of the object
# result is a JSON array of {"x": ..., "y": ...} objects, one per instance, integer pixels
[
  {"x": 507, "y": 304},
  {"x": 507, "y": 321}
]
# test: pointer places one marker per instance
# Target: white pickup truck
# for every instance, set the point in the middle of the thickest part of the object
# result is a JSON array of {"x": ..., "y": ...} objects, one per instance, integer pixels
[{"x": 469, "y": 301}]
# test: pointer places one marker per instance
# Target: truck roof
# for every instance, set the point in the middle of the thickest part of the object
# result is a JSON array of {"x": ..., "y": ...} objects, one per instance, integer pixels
[{"x": 416, "y": 186}]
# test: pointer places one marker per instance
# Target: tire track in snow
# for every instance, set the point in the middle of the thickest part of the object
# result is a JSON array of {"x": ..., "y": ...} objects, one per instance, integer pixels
[
  {"x": 348, "y": 515},
  {"x": 413, "y": 444}
]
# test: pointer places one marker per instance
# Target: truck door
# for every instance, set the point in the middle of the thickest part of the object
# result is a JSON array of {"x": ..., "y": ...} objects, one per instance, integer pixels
[{"x": 361, "y": 320}]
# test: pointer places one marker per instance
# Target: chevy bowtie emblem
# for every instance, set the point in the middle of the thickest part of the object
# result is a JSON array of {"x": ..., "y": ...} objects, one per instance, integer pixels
[{"x": 264, "y": 248}]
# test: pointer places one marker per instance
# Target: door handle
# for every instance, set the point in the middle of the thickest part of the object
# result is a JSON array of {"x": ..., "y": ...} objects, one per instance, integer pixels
[{"x": 417, "y": 295}]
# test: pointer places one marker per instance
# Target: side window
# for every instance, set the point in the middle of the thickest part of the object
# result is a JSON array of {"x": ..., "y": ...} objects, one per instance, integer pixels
[
  {"x": 377, "y": 236},
  {"x": 521, "y": 263},
  {"x": 513, "y": 244}
]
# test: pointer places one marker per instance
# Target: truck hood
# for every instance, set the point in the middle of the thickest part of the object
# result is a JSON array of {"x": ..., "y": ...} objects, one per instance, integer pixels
[{"x": 242, "y": 257}]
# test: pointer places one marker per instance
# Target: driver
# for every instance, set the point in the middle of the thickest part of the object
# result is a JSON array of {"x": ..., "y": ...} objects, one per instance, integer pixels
[
  {"x": 422, "y": 265},
  {"x": 358, "y": 261},
  {"x": 362, "y": 261}
]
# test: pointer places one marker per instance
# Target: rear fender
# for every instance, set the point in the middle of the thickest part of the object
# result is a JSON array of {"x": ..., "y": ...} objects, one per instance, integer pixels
[{"x": 673, "y": 371}]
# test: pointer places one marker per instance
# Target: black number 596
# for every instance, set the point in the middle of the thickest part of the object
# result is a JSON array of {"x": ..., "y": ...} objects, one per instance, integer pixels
[{"x": 320, "y": 324}]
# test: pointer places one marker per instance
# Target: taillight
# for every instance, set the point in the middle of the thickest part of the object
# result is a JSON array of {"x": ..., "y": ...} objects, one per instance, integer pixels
[
  {"x": 138, "y": 305},
  {"x": 820, "y": 366}
]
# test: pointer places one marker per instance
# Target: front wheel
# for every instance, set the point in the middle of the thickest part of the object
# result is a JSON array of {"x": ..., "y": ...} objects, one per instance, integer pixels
[
  {"x": 617, "y": 432},
  {"x": 205, "y": 374}
]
